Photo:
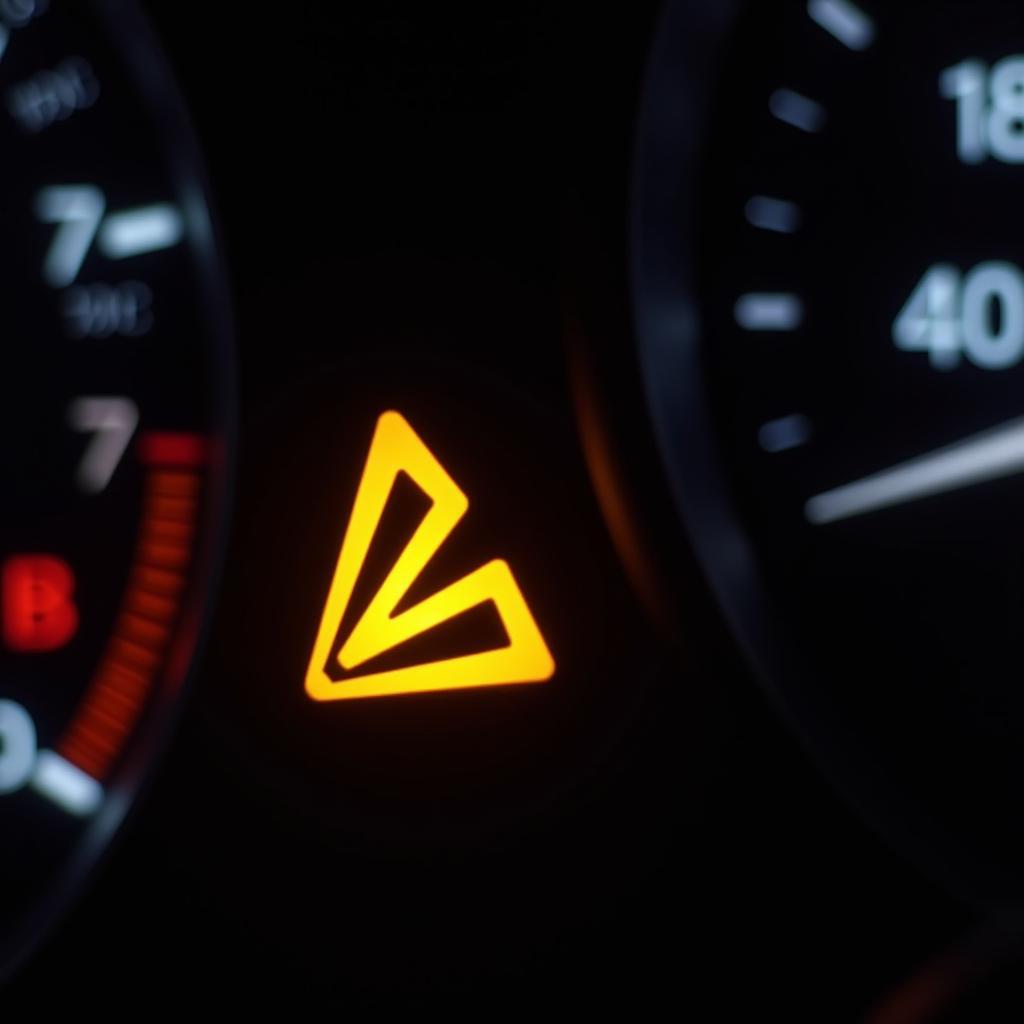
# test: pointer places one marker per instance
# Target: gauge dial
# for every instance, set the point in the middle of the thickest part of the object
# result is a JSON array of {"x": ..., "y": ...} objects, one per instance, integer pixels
[
  {"x": 830, "y": 285},
  {"x": 114, "y": 413}
]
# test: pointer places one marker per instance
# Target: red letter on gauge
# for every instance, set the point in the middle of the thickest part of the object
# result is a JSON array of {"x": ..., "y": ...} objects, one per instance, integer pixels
[{"x": 39, "y": 612}]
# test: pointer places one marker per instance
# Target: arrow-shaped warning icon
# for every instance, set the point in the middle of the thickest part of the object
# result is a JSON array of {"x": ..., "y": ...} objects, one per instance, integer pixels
[{"x": 397, "y": 448}]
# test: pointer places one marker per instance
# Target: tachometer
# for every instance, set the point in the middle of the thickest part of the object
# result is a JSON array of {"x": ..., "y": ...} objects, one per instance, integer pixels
[{"x": 115, "y": 416}]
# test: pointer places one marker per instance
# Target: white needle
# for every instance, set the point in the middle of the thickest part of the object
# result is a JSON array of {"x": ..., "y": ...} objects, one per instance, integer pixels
[{"x": 986, "y": 456}]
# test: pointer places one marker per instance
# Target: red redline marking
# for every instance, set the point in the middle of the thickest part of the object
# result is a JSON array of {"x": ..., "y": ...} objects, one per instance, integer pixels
[
  {"x": 99, "y": 741},
  {"x": 131, "y": 653},
  {"x": 174, "y": 485},
  {"x": 132, "y": 677},
  {"x": 157, "y": 581},
  {"x": 104, "y": 716},
  {"x": 173, "y": 509},
  {"x": 164, "y": 556},
  {"x": 149, "y": 606},
  {"x": 123, "y": 684},
  {"x": 104, "y": 719},
  {"x": 151, "y": 538},
  {"x": 72, "y": 749},
  {"x": 165, "y": 448},
  {"x": 129, "y": 697},
  {"x": 128, "y": 700},
  {"x": 171, "y": 531},
  {"x": 142, "y": 630},
  {"x": 81, "y": 756}
]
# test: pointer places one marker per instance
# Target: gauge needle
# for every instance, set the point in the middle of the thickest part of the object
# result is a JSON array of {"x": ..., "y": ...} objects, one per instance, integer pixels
[{"x": 989, "y": 455}]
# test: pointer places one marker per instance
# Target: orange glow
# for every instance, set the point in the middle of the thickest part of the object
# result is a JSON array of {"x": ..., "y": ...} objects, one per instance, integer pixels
[
  {"x": 526, "y": 659},
  {"x": 39, "y": 612}
]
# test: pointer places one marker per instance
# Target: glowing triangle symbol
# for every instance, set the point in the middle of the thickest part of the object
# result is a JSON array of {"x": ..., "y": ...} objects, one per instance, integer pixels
[{"x": 397, "y": 448}]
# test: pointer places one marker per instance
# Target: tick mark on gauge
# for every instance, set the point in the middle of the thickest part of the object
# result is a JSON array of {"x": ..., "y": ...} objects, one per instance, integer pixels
[
  {"x": 173, "y": 448},
  {"x": 787, "y": 432},
  {"x": 141, "y": 230},
  {"x": 797, "y": 110},
  {"x": 845, "y": 21},
  {"x": 66, "y": 784},
  {"x": 769, "y": 311},
  {"x": 772, "y": 214}
]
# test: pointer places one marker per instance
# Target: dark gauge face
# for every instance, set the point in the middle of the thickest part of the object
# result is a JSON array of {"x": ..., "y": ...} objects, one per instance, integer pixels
[
  {"x": 113, "y": 418},
  {"x": 830, "y": 287}
]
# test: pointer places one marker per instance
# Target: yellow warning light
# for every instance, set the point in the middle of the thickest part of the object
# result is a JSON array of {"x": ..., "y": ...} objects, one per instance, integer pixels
[{"x": 397, "y": 448}]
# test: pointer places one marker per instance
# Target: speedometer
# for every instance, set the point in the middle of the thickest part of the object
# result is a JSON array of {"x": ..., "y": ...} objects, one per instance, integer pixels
[
  {"x": 829, "y": 278},
  {"x": 115, "y": 416}
]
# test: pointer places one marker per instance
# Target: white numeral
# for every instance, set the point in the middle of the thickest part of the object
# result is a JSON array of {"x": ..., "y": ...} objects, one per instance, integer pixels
[
  {"x": 990, "y": 109},
  {"x": 113, "y": 422},
  {"x": 979, "y": 315},
  {"x": 17, "y": 746},
  {"x": 77, "y": 210}
]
